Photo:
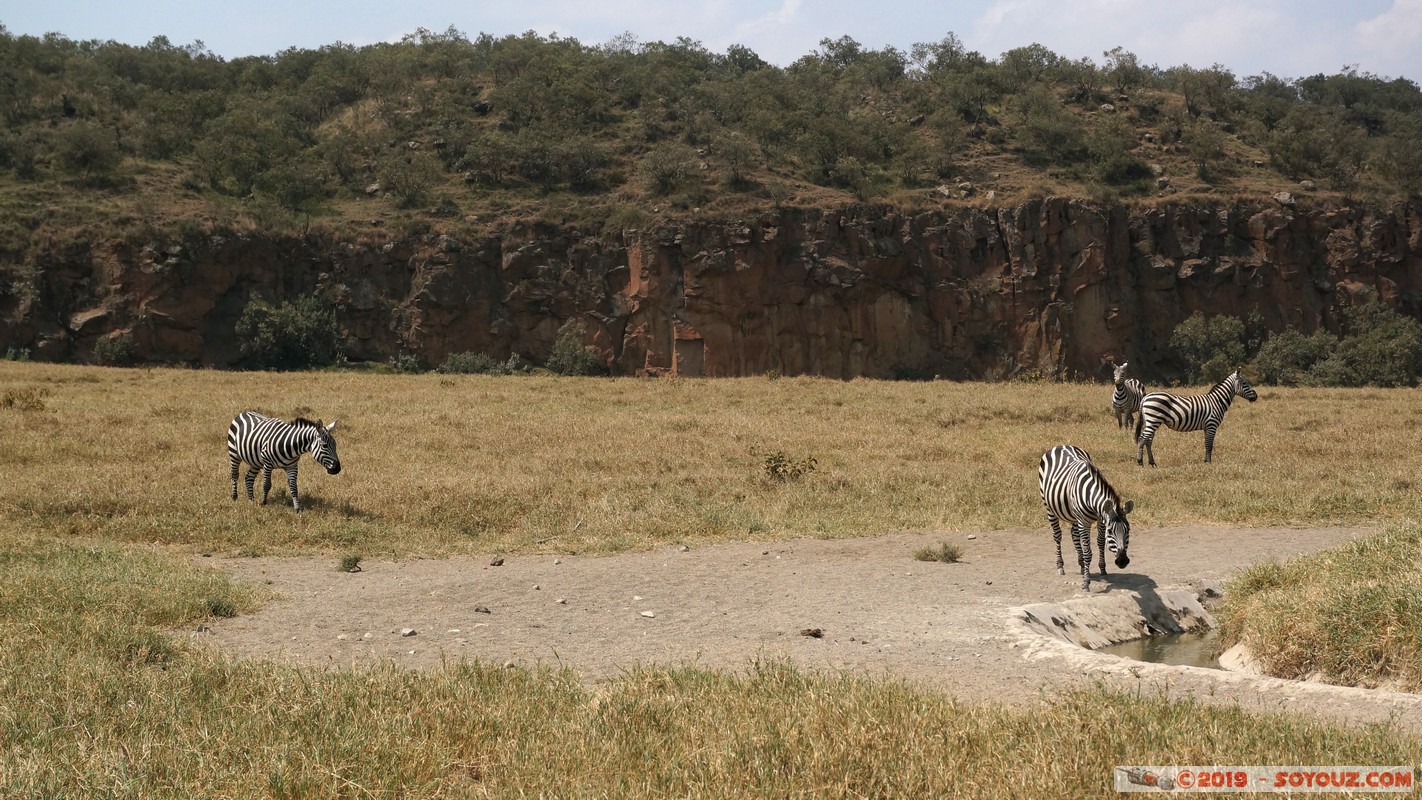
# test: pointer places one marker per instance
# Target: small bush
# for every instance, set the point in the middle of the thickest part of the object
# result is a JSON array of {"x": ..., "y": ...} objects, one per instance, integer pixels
[
  {"x": 570, "y": 356},
  {"x": 13, "y": 353},
  {"x": 1382, "y": 348},
  {"x": 782, "y": 468},
  {"x": 296, "y": 335},
  {"x": 405, "y": 362},
  {"x": 115, "y": 351},
  {"x": 26, "y": 399},
  {"x": 1288, "y": 356},
  {"x": 1211, "y": 347},
  {"x": 476, "y": 364},
  {"x": 349, "y": 563},
  {"x": 944, "y": 552}
]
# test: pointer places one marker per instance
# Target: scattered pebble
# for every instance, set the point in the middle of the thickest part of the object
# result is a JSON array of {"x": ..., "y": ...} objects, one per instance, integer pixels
[
  {"x": 453, "y": 630},
  {"x": 684, "y": 548},
  {"x": 557, "y": 561},
  {"x": 648, "y": 614},
  {"x": 636, "y": 597},
  {"x": 508, "y": 665},
  {"x": 341, "y": 638},
  {"x": 989, "y": 583},
  {"x": 972, "y": 536},
  {"x": 813, "y": 633},
  {"x": 562, "y": 601},
  {"x": 482, "y": 610},
  {"x": 407, "y": 631},
  {"x": 498, "y": 562},
  {"x": 536, "y": 587},
  {"x": 368, "y": 635},
  {"x": 204, "y": 629}
]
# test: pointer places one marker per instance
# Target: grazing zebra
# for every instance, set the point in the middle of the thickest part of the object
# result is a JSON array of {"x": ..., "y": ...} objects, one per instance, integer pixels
[
  {"x": 1188, "y": 413},
  {"x": 1073, "y": 489},
  {"x": 1126, "y": 397},
  {"x": 268, "y": 443}
]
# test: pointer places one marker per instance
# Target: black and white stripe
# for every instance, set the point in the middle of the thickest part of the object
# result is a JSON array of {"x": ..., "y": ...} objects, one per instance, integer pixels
[
  {"x": 266, "y": 444},
  {"x": 1073, "y": 489},
  {"x": 1126, "y": 397},
  {"x": 1188, "y": 413}
]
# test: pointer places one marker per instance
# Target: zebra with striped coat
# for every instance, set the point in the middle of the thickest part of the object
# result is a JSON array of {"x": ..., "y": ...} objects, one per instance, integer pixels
[
  {"x": 267, "y": 444},
  {"x": 1126, "y": 397},
  {"x": 1188, "y": 413},
  {"x": 1073, "y": 489}
]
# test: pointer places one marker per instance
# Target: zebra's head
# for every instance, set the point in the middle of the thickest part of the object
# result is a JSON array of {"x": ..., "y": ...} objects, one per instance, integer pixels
[
  {"x": 1242, "y": 387},
  {"x": 1118, "y": 529},
  {"x": 323, "y": 448},
  {"x": 1120, "y": 374}
]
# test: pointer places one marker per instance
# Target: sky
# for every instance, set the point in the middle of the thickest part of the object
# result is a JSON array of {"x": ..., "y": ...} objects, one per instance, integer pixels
[{"x": 1287, "y": 38}]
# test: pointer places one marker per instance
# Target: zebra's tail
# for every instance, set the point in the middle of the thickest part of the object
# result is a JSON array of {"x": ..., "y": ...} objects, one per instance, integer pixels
[{"x": 1140, "y": 423}]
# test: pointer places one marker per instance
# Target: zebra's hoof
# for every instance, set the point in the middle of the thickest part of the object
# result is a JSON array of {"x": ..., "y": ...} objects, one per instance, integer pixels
[{"x": 1061, "y": 571}]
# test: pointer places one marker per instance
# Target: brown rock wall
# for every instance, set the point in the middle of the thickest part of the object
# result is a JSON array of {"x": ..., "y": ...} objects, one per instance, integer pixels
[{"x": 1052, "y": 285}]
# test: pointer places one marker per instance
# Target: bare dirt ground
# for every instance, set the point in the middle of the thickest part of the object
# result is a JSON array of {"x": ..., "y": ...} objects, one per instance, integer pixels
[{"x": 947, "y": 626}]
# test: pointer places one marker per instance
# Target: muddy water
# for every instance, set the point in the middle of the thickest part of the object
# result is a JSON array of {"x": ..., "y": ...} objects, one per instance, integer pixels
[{"x": 1182, "y": 649}]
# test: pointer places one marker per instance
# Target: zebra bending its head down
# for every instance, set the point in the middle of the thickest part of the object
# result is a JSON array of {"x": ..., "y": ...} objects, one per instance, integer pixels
[
  {"x": 1188, "y": 413},
  {"x": 1126, "y": 397},
  {"x": 266, "y": 444},
  {"x": 1073, "y": 489}
]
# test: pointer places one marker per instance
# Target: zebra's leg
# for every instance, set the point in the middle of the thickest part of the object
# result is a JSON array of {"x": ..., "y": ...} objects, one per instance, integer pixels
[
  {"x": 1101, "y": 546},
  {"x": 236, "y": 468},
  {"x": 1146, "y": 444},
  {"x": 1057, "y": 537},
  {"x": 252, "y": 483},
  {"x": 266, "y": 483},
  {"x": 291, "y": 484},
  {"x": 1081, "y": 538},
  {"x": 1210, "y": 430}
]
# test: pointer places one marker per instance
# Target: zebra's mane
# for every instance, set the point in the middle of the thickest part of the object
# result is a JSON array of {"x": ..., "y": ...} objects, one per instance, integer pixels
[
  {"x": 303, "y": 421},
  {"x": 1096, "y": 473}
]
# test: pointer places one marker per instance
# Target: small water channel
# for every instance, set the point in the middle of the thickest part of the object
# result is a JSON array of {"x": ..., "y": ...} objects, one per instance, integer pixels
[{"x": 1196, "y": 649}]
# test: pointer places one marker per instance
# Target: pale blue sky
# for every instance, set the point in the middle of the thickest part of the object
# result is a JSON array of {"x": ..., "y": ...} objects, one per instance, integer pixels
[{"x": 1289, "y": 38}]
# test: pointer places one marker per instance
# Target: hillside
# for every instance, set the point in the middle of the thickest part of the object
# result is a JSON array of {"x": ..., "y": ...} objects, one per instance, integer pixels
[{"x": 273, "y": 177}]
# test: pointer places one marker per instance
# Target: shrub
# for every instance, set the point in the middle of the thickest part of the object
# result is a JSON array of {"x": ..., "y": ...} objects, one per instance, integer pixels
[
  {"x": 410, "y": 176},
  {"x": 570, "y": 356},
  {"x": 468, "y": 364},
  {"x": 1287, "y": 357},
  {"x": 26, "y": 399},
  {"x": 1210, "y": 347},
  {"x": 349, "y": 563},
  {"x": 944, "y": 552},
  {"x": 780, "y": 467},
  {"x": 115, "y": 351},
  {"x": 1382, "y": 348},
  {"x": 296, "y": 335}
]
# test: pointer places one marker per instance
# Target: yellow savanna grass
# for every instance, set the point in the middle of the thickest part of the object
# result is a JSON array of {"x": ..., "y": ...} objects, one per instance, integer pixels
[
  {"x": 99, "y": 463},
  {"x": 441, "y": 464}
]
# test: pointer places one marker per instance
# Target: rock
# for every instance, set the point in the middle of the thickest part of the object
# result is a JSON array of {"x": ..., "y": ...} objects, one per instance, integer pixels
[
  {"x": 1107, "y": 108},
  {"x": 972, "y": 536},
  {"x": 562, "y": 601},
  {"x": 482, "y": 610},
  {"x": 813, "y": 633},
  {"x": 204, "y": 629},
  {"x": 498, "y": 562},
  {"x": 372, "y": 189},
  {"x": 1307, "y": 186},
  {"x": 1284, "y": 198},
  {"x": 407, "y": 631},
  {"x": 683, "y": 549},
  {"x": 648, "y": 614}
]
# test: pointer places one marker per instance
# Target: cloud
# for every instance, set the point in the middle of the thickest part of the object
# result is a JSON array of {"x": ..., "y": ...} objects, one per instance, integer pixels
[{"x": 1395, "y": 36}]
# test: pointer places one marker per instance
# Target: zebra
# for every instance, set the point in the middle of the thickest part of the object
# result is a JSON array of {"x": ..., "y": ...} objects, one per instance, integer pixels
[
  {"x": 1074, "y": 489},
  {"x": 267, "y": 443},
  {"x": 1188, "y": 413},
  {"x": 1126, "y": 397}
]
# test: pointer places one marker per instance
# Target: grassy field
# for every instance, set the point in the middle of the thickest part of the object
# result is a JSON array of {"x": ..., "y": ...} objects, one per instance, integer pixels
[{"x": 113, "y": 478}]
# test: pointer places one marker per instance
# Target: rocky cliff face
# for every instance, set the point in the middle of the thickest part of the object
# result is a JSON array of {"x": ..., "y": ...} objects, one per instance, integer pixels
[{"x": 1053, "y": 286}]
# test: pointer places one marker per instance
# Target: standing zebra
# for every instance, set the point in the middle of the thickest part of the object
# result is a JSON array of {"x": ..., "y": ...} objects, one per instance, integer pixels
[
  {"x": 1126, "y": 398},
  {"x": 1188, "y": 413},
  {"x": 268, "y": 443},
  {"x": 1073, "y": 489}
]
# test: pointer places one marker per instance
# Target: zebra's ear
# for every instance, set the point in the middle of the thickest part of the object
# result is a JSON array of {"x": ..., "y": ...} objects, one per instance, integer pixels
[
  {"x": 331, "y": 427},
  {"x": 1126, "y": 509},
  {"x": 1109, "y": 507}
]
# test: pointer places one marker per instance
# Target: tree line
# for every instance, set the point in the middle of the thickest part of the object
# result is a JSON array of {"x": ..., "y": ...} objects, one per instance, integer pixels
[{"x": 445, "y": 119}]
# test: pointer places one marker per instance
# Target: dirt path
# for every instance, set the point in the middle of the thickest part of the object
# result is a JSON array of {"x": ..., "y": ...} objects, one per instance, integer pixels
[{"x": 949, "y": 626}]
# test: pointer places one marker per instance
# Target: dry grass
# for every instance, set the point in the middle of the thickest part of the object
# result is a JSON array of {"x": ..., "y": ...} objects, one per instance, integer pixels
[
  {"x": 440, "y": 464},
  {"x": 101, "y": 703},
  {"x": 1347, "y": 615}
]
